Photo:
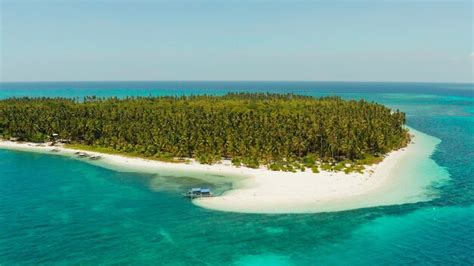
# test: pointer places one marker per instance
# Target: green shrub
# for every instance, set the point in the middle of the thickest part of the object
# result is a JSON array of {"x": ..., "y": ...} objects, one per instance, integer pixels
[
  {"x": 326, "y": 167},
  {"x": 338, "y": 167},
  {"x": 236, "y": 162},
  {"x": 315, "y": 169},
  {"x": 309, "y": 160},
  {"x": 38, "y": 137},
  {"x": 302, "y": 168},
  {"x": 251, "y": 163},
  {"x": 275, "y": 167}
]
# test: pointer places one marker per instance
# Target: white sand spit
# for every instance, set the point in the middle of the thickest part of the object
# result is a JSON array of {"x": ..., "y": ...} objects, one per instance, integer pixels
[{"x": 404, "y": 176}]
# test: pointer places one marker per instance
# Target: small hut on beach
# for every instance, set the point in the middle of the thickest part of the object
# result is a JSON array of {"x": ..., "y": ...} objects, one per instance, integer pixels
[{"x": 198, "y": 192}]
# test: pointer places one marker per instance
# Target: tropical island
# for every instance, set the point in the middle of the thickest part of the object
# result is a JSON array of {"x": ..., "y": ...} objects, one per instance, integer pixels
[
  {"x": 283, "y": 132},
  {"x": 293, "y": 153}
]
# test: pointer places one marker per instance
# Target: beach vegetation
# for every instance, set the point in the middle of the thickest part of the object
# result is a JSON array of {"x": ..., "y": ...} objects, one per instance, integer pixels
[
  {"x": 275, "y": 167},
  {"x": 315, "y": 169},
  {"x": 283, "y": 131},
  {"x": 236, "y": 161},
  {"x": 326, "y": 167}
]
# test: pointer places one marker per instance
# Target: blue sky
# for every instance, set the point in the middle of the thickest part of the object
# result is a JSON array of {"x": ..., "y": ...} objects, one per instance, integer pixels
[{"x": 429, "y": 41}]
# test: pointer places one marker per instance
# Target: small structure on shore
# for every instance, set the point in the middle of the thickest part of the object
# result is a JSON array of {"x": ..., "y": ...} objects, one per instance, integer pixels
[
  {"x": 55, "y": 150},
  {"x": 64, "y": 141},
  {"x": 198, "y": 193},
  {"x": 55, "y": 139}
]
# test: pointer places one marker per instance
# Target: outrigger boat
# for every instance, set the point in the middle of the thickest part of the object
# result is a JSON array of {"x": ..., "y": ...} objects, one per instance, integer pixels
[
  {"x": 82, "y": 154},
  {"x": 198, "y": 193},
  {"x": 95, "y": 157}
]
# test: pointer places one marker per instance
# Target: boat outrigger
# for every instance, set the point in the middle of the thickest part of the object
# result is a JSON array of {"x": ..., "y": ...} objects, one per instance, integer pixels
[
  {"x": 198, "y": 193},
  {"x": 95, "y": 157},
  {"x": 82, "y": 154}
]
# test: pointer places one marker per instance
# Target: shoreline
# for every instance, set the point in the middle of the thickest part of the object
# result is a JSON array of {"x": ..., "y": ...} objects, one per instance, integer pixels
[{"x": 395, "y": 180}]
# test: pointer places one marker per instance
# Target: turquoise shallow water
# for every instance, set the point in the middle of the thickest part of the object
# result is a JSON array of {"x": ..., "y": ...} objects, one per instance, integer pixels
[{"x": 55, "y": 210}]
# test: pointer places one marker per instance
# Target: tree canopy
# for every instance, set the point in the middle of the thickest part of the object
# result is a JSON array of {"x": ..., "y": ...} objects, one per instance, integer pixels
[{"x": 251, "y": 129}]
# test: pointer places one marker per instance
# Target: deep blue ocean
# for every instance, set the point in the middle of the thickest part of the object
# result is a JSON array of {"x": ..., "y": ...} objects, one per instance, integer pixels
[{"x": 60, "y": 211}]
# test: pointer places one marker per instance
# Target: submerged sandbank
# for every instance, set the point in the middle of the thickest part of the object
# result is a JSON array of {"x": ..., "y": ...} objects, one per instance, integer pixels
[{"x": 404, "y": 176}]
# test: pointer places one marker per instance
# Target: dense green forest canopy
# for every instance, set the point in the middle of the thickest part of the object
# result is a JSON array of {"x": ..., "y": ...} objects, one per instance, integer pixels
[{"x": 252, "y": 129}]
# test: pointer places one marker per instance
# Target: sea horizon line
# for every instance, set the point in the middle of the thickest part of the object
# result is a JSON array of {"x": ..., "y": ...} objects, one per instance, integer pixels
[{"x": 245, "y": 81}]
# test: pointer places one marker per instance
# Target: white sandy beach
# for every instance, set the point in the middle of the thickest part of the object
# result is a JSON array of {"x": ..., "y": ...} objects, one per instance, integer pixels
[{"x": 402, "y": 177}]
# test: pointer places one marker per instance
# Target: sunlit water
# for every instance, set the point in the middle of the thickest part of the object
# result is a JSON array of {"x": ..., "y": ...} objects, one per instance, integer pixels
[{"x": 56, "y": 210}]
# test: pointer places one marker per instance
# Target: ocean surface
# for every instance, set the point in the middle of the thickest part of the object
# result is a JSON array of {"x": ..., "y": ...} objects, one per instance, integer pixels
[{"x": 60, "y": 211}]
